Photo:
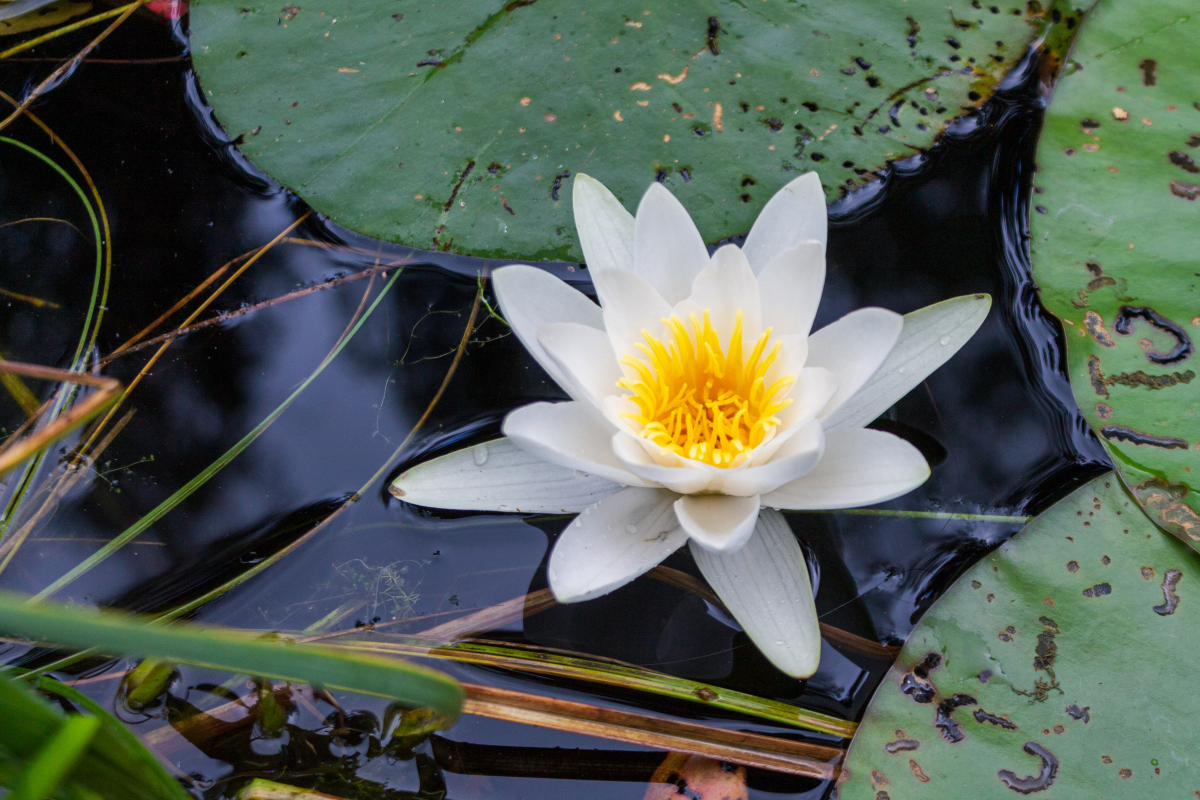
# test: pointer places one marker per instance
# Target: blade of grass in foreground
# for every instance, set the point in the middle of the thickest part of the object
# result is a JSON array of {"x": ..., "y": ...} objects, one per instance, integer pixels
[
  {"x": 233, "y": 651},
  {"x": 113, "y": 764},
  {"x": 625, "y": 676},
  {"x": 150, "y": 768},
  {"x": 207, "y": 474}
]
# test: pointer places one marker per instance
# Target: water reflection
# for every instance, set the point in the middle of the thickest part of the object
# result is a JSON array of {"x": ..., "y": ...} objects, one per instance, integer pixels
[{"x": 998, "y": 422}]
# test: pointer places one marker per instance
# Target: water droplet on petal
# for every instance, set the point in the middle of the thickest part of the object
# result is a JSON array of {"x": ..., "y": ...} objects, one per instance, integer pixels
[
  {"x": 480, "y": 454},
  {"x": 631, "y": 529},
  {"x": 945, "y": 340}
]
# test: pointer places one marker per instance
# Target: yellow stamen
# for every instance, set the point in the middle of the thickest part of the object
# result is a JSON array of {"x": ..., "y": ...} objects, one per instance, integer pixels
[{"x": 697, "y": 400}]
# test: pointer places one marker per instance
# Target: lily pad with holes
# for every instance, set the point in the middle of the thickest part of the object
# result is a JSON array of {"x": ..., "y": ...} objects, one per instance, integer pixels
[
  {"x": 1051, "y": 666},
  {"x": 457, "y": 125},
  {"x": 1116, "y": 243}
]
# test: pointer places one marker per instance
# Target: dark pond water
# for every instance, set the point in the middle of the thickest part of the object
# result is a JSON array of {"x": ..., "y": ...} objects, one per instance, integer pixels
[{"x": 998, "y": 423}]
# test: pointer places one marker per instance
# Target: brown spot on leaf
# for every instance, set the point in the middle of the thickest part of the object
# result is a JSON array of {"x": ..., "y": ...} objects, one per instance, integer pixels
[
  {"x": 1032, "y": 783},
  {"x": 1096, "y": 377},
  {"x": 944, "y": 719},
  {"x": 917, "y": 772},
  {"x": 1000, "y": 720},
  {"x": 1140, "y": 378},
  {"x": 1099, "y": 590},
  {"x": 1077, "y": 713},
  {"x": 901, "y": 746},
  {"x": 1095, "y": 326},
  {"x": 1188, "y": 191},
  {"x": 1183, "y": 343},
  {"x": 1149, "y": 68},
  {"x": 916, "y": 684},
  {"x": 1164, "y": 503},
  {"x": 1124, "y": 433},
  {"x": 1170, "y": 599},
  {"x": 1183, "y": 161}
]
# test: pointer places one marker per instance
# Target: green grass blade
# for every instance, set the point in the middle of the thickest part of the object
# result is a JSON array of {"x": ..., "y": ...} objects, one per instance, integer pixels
[
  {"x": 152, "y": 769},
  {"x": 139, "y": 527},
  {"x": 44, "y": 771},
  {"x": 625, "y": 676},
  {"x": 233, "y": 651},
  {"x": 76, "y": 364}
]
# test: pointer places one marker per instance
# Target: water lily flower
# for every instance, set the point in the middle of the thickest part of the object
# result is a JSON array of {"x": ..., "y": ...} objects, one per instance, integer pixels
[{"x": 701, "y": 402}]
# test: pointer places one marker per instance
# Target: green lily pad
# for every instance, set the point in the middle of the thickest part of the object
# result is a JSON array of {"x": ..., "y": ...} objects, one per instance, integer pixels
[
  {"x": 1049, "y": 666},
  {"x": 1117, "y": 202},
  {"x": 456, "y": 125}
]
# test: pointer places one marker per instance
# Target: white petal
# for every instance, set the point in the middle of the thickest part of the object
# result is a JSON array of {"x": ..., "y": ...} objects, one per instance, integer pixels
[
  {"x": 860, "y": 467},
  {"x": 853, "y": 348},
  {"x": 605, "y": 228},
  {"x": 613, "y": 542},
  {"x": 499, "y": 476},
  {"x": 790, "y": 286},
  {"x": 684, "y": 478},
  {"x": 668, "y": 250},
  {"x": 585, "y": 358},
  {"x": 815, "y": 387},
  {"x": 795, "y": 214},
  {"x": 765, "y": 586},
  {"x": 930, "y": 336},
  {"x": 725, "y": 287},
  {"x": 795, "y": 457},
  {"x": 631, "y": 305},
  {"x": 530, "y": 298},
  {"x": 718, "y": 522},
  {"x": 573, "y": 435}
]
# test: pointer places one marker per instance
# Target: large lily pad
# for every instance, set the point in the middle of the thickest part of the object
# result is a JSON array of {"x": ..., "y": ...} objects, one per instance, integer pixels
[
  {"x": 1052, "y": 665},
  {"x": 456, "y": 125},
  {"x": 1115, "y": 243}
]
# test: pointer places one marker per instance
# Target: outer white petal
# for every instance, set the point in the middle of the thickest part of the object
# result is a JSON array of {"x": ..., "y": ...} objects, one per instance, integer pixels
[
  {"x": 572, "y": 435},
  {"x": 530, "y": 298},
  {"x": 860, "y": 467},
  {"x": 684, "y": 479},
  {"x": 765, "y": 586},
  {"x": 499, "y": 476},
  {"x": 795, "y": 214},
  {"x": 585, "y": 358},
  {"x": 790, "y": 286},
  {"x": 795, "y": 457},
  {"x": 668, "y": 250},
  {"x": 725, "y": 287},
  {"x": 718, "y": 522},
  {"x": 613, "y": 542},
  {"x": 853, "y": 349},
  {"x": 630, "y": 304},
  {"x": 930, "y": 336},
  {"x": 605, "y": 228}
]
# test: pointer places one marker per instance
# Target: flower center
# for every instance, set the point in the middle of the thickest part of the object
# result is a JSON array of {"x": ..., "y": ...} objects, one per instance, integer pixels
[{"x": 700, "y": 402}]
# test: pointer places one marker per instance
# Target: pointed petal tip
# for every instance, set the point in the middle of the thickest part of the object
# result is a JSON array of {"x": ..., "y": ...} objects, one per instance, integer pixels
[{"x": 718, "y": 523}]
